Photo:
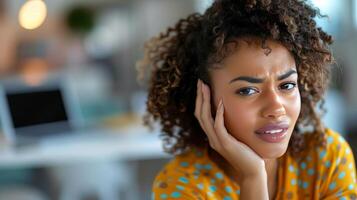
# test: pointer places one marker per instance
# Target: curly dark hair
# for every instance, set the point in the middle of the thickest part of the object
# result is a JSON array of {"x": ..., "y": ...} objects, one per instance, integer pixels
[{"x": 181, "y": 55}]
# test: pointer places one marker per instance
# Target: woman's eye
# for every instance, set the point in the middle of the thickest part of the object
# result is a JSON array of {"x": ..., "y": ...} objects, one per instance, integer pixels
[
  {"x": 288, "y": 86},
  {"x": 247, "y": 91}
]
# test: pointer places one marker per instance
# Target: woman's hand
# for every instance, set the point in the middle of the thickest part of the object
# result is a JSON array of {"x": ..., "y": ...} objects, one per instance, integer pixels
[{"x": 239, "y": 155}]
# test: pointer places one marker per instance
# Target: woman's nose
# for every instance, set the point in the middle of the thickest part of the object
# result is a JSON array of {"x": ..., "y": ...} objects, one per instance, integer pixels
[{"x": 273, "y": 105}]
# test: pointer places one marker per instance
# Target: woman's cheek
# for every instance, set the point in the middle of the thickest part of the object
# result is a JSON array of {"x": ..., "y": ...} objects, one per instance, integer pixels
[{"x": 238, "y": 117}]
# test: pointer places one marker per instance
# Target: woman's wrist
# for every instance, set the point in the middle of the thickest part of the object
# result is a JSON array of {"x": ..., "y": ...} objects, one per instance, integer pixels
[
  {"x": 260, "y": 175},
  {"x": 254, "y": 187},
  {"x": 257, "y": 172}
]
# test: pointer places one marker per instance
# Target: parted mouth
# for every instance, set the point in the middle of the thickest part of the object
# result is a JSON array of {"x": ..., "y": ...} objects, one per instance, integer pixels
[{"x": 273, "y": 128}]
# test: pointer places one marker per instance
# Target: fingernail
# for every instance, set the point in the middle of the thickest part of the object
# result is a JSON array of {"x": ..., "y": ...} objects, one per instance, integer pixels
[{"x": 221, "y": 105}]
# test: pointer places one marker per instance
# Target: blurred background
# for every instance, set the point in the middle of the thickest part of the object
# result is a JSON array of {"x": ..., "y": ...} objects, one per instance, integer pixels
[{"x": 76, "y": 58}]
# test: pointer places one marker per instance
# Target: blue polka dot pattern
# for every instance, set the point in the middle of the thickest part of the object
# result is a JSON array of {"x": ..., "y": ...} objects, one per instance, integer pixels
[
  {"x": 183, "y": 179},
  {"x": 330, "y": 139},
  {"x": 208, "y": 167},
  {"x": 332, "y": 167},
  {"x": 228, "y": 189},
  {"x": 213, "y": 188},
  {"x": 342, "y": 175},
  {"x": 322, "y": 154},
  {"x": 198, "y": 166},
  {"x": 291, "y": 168},
  {"x": 348, "y": 151},
  {"x": 305, "y": 185},
  {"x": 219, "y": 175},
  {"x": 200, "y": 186},
  {"x": 184, "y": 164},
  {"x": 303, "y": 165},
  {"x": 176, "y": 195},
  {"x": 328, "y": 163},
  {"x": 332, "y": 185},
  {"x": 350, "y": 187},
  {"x": 179, "y": 187},
  {"x": 293, "y": 182}
]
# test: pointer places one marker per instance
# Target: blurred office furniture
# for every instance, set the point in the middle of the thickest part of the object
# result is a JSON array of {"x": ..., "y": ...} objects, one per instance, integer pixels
[
  {"x": 21, "y": 184},
  {"x": 96, "y": 156},
  {"x": 90, "y": 163},
  {"x": 105, "y": 180},
  {"x": 21, "y": 192}
]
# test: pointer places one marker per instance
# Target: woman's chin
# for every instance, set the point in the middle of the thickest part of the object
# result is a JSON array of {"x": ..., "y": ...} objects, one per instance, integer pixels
[
  {"x": 272, "y": 150},
  {"x": 272, "y": 153}
]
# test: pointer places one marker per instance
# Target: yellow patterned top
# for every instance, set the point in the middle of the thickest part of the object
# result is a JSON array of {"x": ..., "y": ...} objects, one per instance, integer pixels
[{"x": 328, "y": 173}]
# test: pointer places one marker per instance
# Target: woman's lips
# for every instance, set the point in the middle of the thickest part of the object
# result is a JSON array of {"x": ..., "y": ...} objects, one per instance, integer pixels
[{"x": 273, "y": 133}]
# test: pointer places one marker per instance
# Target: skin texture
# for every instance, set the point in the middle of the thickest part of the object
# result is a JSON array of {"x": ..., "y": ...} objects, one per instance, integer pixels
[{"x": 240, "y": 111}]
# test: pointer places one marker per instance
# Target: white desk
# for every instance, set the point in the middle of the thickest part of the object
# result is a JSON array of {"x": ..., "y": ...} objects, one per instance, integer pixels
[
  {"x": 83, "y": 162},
  {"x": 130, "y": 143}
]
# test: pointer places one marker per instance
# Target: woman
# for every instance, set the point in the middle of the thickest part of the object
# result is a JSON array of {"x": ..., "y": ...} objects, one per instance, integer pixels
[{"x": 236, "y": 93}]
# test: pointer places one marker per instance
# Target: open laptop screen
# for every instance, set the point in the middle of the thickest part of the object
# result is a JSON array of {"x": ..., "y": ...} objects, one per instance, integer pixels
[{"x": 36, "y": 107}]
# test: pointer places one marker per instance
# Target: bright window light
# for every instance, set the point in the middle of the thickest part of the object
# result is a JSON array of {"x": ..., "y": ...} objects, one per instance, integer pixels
[
  {"x": 333, "y": 9},
  {"x": 32, "y": 14},
  {"x": 202, "y": 5}
]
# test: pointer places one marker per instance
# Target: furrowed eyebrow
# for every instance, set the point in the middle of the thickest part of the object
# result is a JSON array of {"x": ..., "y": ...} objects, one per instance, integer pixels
[
  {"x": 287, "y": 74},
  {"x": 248, "y": 79},
  {"x": 261, "y": 80}
]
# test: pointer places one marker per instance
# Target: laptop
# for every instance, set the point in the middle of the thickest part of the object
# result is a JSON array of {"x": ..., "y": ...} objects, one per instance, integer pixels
[{"x": 31, "y": 113}]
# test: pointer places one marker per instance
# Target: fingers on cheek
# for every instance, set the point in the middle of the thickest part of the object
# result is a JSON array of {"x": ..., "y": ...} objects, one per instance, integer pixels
[
  {"x": 219, "y": 116},
  {"x": 199, "y": 104},
  {"x": 203, "y": 114},
  {"x": 198, "y": 109}
]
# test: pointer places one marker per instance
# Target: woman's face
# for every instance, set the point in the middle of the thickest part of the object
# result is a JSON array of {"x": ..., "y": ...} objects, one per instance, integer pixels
[{"x": 260, "y": 96}]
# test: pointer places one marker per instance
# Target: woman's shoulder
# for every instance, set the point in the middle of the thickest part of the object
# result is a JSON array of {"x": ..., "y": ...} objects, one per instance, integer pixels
[
  {"x": 186, "y": 166},
  {"x": 335, "y": 149},
  {"x": 333, "y": 164},
  {"x": 335, "y": 146},
  {"x": 191, "y": 175},
  {"x": 186, "y": 162},
  {"x": 178, "y": 178}
]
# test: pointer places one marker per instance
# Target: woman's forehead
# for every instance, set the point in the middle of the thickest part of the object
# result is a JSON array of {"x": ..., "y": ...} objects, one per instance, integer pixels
[{"x": 251, "y": 58}]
